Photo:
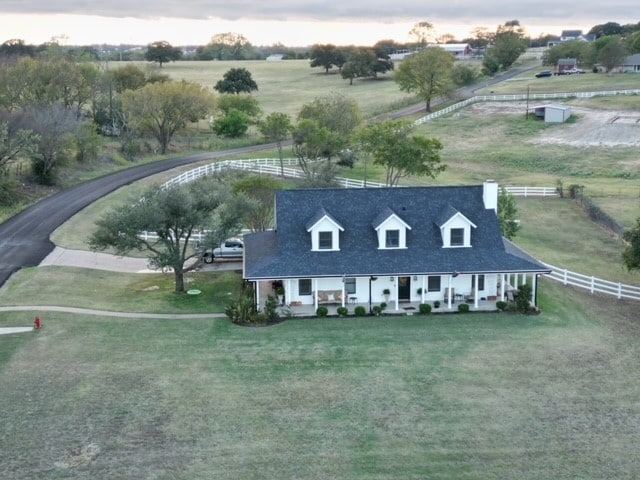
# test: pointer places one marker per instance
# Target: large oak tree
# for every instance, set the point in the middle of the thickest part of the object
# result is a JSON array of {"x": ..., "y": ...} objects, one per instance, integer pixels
[
  {"x": 393, "y": 145},
  {"x": 426, "y": 74},
  {"x": 174, "y": 215},
  {"x": 162, "y": 109}
]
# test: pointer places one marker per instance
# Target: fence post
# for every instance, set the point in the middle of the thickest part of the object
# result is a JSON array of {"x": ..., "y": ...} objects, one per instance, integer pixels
[
  {"x": 565, "y": 277},
  {"x": 619, "y": 290},
  {"x": 593, "y": 282}
]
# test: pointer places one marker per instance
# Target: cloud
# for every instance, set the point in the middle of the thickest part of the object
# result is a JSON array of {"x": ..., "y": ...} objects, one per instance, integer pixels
[{"x": 554, "y": 11}]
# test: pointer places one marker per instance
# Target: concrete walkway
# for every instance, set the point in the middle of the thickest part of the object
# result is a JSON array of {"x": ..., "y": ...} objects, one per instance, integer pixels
[
  {"x": 107, "y": 313},
  {"x": 8, "y": 330},
  {"x": 113, "y": 263}
]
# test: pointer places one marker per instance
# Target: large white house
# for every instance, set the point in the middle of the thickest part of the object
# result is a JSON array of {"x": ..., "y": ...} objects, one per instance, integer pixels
[{"x": 421, "y": 244}]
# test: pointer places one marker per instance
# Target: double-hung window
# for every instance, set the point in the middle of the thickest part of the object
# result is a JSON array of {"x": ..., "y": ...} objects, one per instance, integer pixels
[
  {"x": 325, "y": 240},
  {"x": 457, "y": 237},
  {"x": 392, "y": 239}
]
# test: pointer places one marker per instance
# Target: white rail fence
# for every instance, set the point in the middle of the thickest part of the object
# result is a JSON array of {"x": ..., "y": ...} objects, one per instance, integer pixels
[
  {"x": 271, "y": 166},
  {"x": 593, "y": 284},
  {"x": 522, "y": 97}
]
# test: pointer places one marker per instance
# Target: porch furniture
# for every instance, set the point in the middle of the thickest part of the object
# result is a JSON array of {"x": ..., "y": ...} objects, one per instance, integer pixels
[
  {"x": 329, "y": 296},
  {"x": 353, "y": 300}
]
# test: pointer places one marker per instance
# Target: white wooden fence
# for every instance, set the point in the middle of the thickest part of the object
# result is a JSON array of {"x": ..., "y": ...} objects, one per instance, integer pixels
[
  {"x": 519, "y": 97},
  {"x": 271, "y": 166},
  {"x": 593, "y": 284}
]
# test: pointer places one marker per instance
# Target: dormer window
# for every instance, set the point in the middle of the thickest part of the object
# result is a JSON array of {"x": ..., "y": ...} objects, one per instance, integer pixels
[
  {"x": 457, "y": 237},
  {"x": 455, "y": 228},
  {"x": 391, "y": 230},
  {"x": 325, "y": 232},
  {"x": 325, "y": 240},
  {"x": 392, "y": 239}
]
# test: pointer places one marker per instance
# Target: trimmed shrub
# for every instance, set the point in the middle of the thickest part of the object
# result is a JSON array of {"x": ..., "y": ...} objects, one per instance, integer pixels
[
  {"x": 342, "y": 311},
  {"x": 322, "y": 311},
  {"x": 377, "y": 310},
  {"x": 424, "y": 308},
  {"x": 360, "y": 311},
  {"x": 500, "y": 305},
  {"x": 270, "y": 309},
  {"x": 463, "y": 308},
  {"x": 436, "y": 304},
  {"x": 522, "y": 300}
]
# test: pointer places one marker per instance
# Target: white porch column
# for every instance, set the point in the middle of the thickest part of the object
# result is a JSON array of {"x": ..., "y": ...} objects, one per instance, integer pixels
[
  {"x": 315, "y": 294},
  {"x": 475, "y": 292},
  {"x": 257, "y": 295},
  {"x": 534, "y": 280},
  {"x": 395, "y": 289},
  {"x": 287, "y": 293},
  {"x": 449, "y": 294},
  {"x": 503, "y": 280},
  {"x": 343, "y": 289},
  {"x": 424, "y": 288}
]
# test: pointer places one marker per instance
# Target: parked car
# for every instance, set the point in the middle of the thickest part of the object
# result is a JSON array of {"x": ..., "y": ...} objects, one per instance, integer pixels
[
  {"x": 544, "y": 73},
  {"x": 571, "y": 71},
  {"x": 231, "y": 248}
]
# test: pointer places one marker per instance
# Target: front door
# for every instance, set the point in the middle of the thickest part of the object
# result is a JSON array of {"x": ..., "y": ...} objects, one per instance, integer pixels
[{"x": 404, "y": 289}]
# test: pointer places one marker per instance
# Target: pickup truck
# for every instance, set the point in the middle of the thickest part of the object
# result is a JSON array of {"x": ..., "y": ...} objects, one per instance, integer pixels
[{"x": 232, "y": 248}]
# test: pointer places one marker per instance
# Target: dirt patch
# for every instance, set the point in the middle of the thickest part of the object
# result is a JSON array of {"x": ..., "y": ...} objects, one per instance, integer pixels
[
  {"x": 80, "y": 457},
  {"x": 593, "y": 128}
]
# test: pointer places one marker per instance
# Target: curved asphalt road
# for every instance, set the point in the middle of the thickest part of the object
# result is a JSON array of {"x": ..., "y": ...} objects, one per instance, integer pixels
[{"x": 24, "y": 238}]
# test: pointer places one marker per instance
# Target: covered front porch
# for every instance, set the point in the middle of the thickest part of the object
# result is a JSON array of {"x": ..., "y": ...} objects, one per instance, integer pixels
[
  {"x": 405, "y": 308},
  {"x": 402, "y": 294}
]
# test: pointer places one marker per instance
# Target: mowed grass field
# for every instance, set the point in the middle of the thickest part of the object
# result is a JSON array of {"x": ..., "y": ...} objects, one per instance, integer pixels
[
  {"x": 284, "y": 86},
  {"x": 445, "y": 396}
]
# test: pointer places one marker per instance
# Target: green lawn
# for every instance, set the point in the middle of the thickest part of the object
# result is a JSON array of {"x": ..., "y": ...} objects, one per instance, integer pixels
[
  {"x": 448, "y": 396},
  {"x": 120, "y": 292}
]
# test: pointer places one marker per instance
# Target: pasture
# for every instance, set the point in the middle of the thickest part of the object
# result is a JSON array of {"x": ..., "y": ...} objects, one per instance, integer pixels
[{"x": 286, "y": 85}]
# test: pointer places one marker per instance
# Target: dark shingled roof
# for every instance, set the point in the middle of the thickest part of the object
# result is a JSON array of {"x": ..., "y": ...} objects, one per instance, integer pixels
[{"x": 286, "y": 251}]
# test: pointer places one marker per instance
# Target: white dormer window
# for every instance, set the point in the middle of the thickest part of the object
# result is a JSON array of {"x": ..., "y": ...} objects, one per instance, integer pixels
[
  {"x": 325, "y": 232},
  {"x": 391, "y": 230},
  {"x": 456, "y": 230}
]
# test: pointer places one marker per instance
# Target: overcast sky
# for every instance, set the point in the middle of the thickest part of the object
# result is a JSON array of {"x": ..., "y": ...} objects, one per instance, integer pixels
[{"x": 292, "y": 22}]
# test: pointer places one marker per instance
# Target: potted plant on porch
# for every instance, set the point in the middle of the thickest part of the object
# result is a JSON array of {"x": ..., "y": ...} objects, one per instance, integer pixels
[
  {"x": 387, "y": 293},
  {"x": 280, "y": 294}
]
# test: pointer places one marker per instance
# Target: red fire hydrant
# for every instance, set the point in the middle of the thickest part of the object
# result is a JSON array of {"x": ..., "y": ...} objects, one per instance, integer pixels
[{"x": 37, "y": 323}]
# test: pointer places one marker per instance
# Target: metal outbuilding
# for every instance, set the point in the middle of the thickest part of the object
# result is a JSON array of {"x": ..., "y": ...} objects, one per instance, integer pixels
[{"x": 552, "y": 113}]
